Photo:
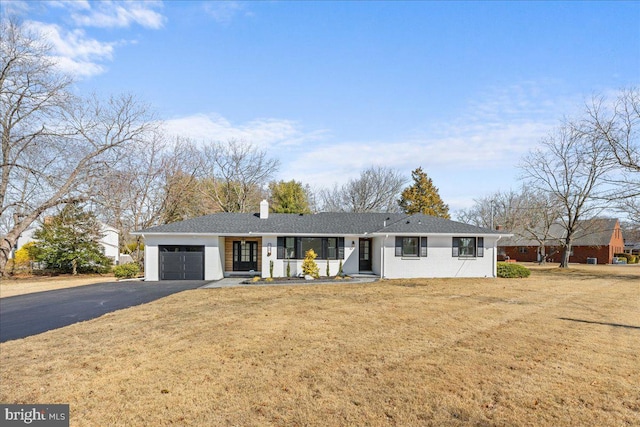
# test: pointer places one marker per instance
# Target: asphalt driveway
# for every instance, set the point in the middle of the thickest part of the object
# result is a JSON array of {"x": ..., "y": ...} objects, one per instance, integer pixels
[{"x": 25, "y": 315}]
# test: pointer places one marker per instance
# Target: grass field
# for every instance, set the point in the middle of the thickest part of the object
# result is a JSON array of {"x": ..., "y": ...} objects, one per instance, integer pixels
[
  {"x": 20, "y": 286},
  {"x": 558, "y": 348}
]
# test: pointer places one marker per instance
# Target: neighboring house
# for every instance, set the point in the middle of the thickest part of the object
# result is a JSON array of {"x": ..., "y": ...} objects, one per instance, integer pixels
[
  {"x": 388, "y": 245},
  {"x": 598, "y": 239},
  {"x": 632, "y": 241},
  {"x": 109, "y": 242}
]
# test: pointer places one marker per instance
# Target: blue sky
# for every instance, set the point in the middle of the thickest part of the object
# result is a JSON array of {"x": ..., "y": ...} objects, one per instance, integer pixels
[{"x": 463, "y": 89}]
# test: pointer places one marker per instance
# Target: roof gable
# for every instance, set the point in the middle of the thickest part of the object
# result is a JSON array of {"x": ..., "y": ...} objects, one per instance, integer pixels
[{"x": 591, "y": 232}]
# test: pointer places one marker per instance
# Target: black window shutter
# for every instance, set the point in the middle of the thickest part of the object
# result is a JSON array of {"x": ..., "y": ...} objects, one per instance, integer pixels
[
  {"x": 480, "y": 246},
  {"x": 398, "y": 246},
  {"x": 299, "y": 254},
  {"x": 280, "y": 247},
  {"x": 340, "y": 247},
  {"x": 454, "y": 246},
  {"x": 423, "y": 246}
]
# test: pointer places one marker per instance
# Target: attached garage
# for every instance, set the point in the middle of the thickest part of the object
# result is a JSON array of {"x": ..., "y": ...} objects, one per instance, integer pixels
[{"x": 181, "y": 262}]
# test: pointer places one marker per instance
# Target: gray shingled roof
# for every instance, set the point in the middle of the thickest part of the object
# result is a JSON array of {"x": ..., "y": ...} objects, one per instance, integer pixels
[
  {"x": 593, "y": 232},
  {"x": 321, "y": 223}
]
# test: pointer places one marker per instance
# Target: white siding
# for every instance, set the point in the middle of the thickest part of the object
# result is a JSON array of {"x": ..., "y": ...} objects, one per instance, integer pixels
[
  {"x": 110, "y": 242},
  {"x": 439, "y": 261},
  {"x": 351, "y": 253},
  {"x": 213, "y": 269},
  {"x": 278, "y": 270}
]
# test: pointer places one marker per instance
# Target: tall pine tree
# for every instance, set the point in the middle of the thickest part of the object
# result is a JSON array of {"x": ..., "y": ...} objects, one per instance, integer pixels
[
  {"x": 68, "y": 242},
  {"x": 422, "y": 197},
  {"x": 289, "y": 197}
]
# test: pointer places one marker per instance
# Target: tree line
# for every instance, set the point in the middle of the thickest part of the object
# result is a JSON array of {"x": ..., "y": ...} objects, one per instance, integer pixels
[
  {"x": 111, "y": 156},
  {"x": 586, "y": 166}
]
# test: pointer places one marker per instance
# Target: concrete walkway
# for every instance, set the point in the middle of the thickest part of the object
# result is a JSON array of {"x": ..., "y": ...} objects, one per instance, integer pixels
[{"x": 232, "y": 282}]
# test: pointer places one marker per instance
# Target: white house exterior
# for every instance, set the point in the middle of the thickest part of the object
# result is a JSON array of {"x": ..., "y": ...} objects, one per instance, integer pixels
[
  {"x": 110, "y": 241},
  {"x": 387, "y": 245}
]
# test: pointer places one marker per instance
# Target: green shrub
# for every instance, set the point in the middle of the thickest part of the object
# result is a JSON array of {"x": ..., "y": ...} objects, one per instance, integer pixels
[
  {"x": 126, "y": 271},
  {"x": 510, "y": 270}
]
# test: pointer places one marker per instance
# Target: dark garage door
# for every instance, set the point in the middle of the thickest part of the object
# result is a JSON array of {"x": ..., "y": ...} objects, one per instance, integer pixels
[{"x": 181, "y": 262}]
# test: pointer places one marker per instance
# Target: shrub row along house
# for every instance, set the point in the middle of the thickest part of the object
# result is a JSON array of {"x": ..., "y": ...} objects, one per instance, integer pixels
[
  {"x": 596, "y": 240},
  {"x": 388, "y": 245}
]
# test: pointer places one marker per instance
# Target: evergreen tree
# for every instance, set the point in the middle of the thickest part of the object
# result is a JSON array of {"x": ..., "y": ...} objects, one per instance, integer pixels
[
  {"x": 422, "y": 197},
  {"x": 68, "y": 242},
  {"x": 288, "y": 197}
]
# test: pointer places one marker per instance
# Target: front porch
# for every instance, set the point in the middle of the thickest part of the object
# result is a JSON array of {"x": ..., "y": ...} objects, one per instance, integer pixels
[{"x": 242, "y": 256}]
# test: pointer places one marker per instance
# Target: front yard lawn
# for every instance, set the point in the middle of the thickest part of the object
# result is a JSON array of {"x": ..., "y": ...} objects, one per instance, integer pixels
[{"x": 557, "y": 348}]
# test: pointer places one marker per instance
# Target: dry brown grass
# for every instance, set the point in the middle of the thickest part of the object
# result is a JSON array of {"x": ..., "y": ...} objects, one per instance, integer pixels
[
  {"x": 558, "y": 348},
  {"x": 27, "y": 285}
]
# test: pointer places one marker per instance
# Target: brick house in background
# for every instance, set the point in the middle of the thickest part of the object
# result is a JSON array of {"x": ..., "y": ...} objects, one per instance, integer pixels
[{"x": 598, "y": 238}]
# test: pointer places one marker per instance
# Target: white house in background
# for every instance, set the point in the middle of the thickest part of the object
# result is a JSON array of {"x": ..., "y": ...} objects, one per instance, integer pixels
[
  {"x": 388, "y": 245},
  {"x": 110, "y": 241}
]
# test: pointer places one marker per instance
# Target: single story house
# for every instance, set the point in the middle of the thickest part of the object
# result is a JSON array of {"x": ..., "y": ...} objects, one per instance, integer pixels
[
  {"x": 384, "y": 244},
  {"x": 597, "y": 239}
]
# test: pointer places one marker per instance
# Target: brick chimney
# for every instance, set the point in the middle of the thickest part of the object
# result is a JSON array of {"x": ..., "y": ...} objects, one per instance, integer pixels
[{"x": 264, "y": 209}]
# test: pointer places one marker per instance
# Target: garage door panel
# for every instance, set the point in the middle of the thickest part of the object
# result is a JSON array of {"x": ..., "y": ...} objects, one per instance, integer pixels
[
  {"x": 195, "y": 262},
  {"x": 181, "y": 263}
]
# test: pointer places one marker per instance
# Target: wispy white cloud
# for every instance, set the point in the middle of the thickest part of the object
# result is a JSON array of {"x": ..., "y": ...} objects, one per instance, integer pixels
[
  {"x": 72, "y": 50},
  {"x": 71, "y": 4},
  {"x": 473, "y": 154},
  {"x": 80, "y": 53},
  {"x": 268, "y": 133},
  {"x": 14, "y": 8},
  {"x": 225, "y": 11},
  {"x": 120, "y": 14},
  {"x": 463, "y": 150},
  {"x": 490, "y": 134}
]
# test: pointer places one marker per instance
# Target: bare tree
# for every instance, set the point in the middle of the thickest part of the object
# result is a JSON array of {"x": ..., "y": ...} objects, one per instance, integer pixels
[
  {"x": 376, "y": 190},
  {"x": 54, "y": 147},
  {"x": 617, "y": 124},
  {"x": 498, "y": 209},
  {"x": 529, "y": 215},
  {"x": 142, "y": 190},
  {"x": 570, "y": 166},
  {"x": 236, "y": 174}
]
